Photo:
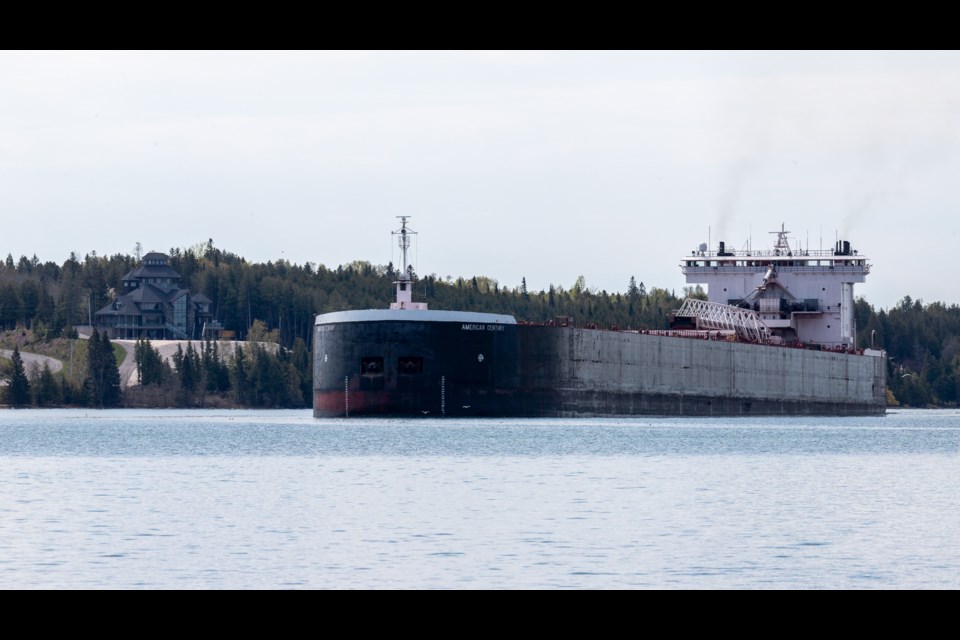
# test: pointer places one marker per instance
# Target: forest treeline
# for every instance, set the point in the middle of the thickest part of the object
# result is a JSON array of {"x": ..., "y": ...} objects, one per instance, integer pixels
[
  {"x": 259, "y": 374},
  {"x": 49, "y": 299},
  {"x": 923, "y": 347}
]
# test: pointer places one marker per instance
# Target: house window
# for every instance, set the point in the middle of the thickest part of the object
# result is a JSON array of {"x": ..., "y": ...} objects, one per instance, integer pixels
[{"x": 180, "y": 312}]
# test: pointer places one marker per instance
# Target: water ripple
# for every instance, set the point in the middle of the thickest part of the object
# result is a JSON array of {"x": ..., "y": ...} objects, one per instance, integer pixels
[{"x": 198, "y": 499}]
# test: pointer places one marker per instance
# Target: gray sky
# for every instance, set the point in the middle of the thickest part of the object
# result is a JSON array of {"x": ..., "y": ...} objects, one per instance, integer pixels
[{"x": 544, "y": 165}]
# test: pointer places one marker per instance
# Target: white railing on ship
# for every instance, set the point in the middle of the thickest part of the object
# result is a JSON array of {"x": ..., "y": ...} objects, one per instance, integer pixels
[
  {"x": 780, "y": 253},
  {"x": 711, "y": 315},
  {"x": 786, "y": 269}
]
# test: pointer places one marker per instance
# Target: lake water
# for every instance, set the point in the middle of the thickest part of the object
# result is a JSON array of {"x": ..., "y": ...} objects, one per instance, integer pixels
[{"x": 276, "y": 499}]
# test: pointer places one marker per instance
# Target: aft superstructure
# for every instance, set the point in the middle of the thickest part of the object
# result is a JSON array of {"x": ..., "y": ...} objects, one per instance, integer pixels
[{"x": 800, "y": 294}]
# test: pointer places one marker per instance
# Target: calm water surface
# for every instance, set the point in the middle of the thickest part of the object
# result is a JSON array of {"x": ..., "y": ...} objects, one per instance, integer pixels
[{"x": 267, "y": 499}]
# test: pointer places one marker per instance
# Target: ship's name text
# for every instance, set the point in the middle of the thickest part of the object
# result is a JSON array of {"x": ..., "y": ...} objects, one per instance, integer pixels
[{"x": 482, "y": 327}]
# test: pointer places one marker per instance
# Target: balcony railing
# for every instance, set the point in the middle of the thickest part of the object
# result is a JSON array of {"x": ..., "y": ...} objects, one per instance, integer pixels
[{"x": 725, "y": 268}]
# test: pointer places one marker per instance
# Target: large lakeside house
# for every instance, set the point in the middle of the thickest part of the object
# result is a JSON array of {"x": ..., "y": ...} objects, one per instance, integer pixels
[{"x": 153, "y": 306}]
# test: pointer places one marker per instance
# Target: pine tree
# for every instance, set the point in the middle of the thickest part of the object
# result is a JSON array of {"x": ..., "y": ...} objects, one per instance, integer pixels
[
  {"x": 184, "y": 368},
  {"x": 240, "y": 375},
  {"x": 211, "y": 363},
  {"x": 190, "y": 372},
  {"x": 223, "y": 371},
  {"x": 266, "y": 377},
  {"x": 9, "y": 307},
  {"x": 94, "y": 382},
  {"x": 103, "y": 375},
  {"x": 18, "y": 391},
  {"x": 632, "y": 291},
  {"x": 150, "y": 367},
  {"x": 111, "y": 395},
  {"x": 302, "y": 365},
  {"x": 196, "y": 366},
  {"x": 215, "y": 370},
  {"x": 47, "y": 391}
]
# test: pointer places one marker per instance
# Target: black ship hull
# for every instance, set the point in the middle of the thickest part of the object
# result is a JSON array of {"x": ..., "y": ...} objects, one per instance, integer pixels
[{"x": 461, "y": 365}]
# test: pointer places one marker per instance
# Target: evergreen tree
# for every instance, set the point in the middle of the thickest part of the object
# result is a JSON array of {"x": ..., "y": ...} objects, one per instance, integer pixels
[
  {"x": 302, "y": 366},
  {"x": 219, "y": 370},
  {"x": 94, "y": 382},
  {"x": 9, "y": 307},
  {"x": 267, "y": 378},
  {"x": 111, "y": 395},
  {"x": 103, "y": 375},
  {"x": 30, "y": 292},
  {"x": 632, "y": 291},
  {"x": 47, "y": 392},
  {"x": 150, "y": 365},
  {"x": 177, "y": 360},
  {"x": 18, "y": 390},
  {"x": 239, "y": 372},
  {"x": 223, "y": 374},
  {"x": 181, "y": 366},
  {"x": 215, "y": 372},
  {"x": 189, "y": 371}
]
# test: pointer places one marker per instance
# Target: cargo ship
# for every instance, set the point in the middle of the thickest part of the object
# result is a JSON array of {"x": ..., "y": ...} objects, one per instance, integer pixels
[{"x": 775, "y": 336}]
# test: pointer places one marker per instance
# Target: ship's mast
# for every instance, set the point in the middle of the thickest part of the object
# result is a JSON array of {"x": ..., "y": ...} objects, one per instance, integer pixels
[
  {"x": 403, "y": 239},
  {"x": 782, "y": 247},
  {"x": 404, "y": 281}
]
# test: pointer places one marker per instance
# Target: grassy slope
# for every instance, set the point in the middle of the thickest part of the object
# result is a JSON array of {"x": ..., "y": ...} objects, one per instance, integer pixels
[{"x": 73, "y": 353}]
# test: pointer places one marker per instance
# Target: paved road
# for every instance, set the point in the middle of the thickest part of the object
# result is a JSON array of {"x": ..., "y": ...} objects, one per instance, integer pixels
[
  {"x": 128, "y": 368},
  {"x": 31, "y": 359}
]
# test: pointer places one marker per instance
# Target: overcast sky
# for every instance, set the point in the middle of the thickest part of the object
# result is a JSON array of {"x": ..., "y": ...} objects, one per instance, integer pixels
[{"x": 544, "y": 165}]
